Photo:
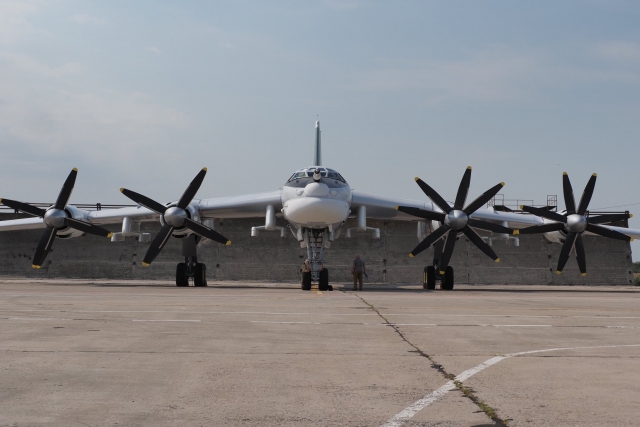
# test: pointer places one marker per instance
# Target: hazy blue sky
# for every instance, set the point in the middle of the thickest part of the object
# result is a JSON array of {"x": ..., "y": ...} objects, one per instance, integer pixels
[{"x": 143, "y": 94}]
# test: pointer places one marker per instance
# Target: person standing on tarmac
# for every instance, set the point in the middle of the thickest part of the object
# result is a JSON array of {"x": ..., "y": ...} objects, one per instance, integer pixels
[{"x": 358, "y": 269}]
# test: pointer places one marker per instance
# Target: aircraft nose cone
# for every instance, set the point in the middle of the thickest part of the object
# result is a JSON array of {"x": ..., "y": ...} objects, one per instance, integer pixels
[
  {"x": 55, "y": 218},
  {"x": 174, "y": 216},
  {"x": 316, "y": 189}
]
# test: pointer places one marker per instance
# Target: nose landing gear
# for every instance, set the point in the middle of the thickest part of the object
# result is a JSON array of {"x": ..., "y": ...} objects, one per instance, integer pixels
[
  {"x": 314, "y": 241},
  {"x": 191, "y": 268},
  {"x": 432, "y": 273}
]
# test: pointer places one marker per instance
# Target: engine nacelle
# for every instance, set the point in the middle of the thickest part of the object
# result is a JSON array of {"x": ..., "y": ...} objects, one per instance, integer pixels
[
  {"x": 75, "y": 213},
  {"x": 554, "y": 236}
]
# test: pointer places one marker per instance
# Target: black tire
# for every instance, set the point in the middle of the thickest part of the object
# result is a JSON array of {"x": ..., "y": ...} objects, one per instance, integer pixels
[
  {"x": 323, "y": 280},
  {"x": 200, "y": 275},
  {"x": 181, "y": 275},
  {"x": 430, "y": 277},
  {"x": 448, "y": 279},
  {"x": 306, "y": 281}
]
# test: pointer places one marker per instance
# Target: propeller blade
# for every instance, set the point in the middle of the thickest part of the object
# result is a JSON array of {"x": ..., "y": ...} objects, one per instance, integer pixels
[
  {"x": 448, "y": 250},
  {"x": 582, "y": 260},
  {"x": 496, "y": 228},
  {"x": 87, "y": 228},
  {"x": 602, "y": 231},
  {"x": 430, "y": 240},
  {"x": 545, "y": 228},
  {"x": 421, "y": 213},
  {"x": 158, "y": 243},
  {"x": 603, "y": 219},
  {"x": 569, "y": 200},
  {"x": 192, "y": 189},
  {"x": 463, "y": 189},
  {"x": 44, "y": 245},
  {"x": 67, "y": 188},
  {"x": 544, "y": 213},
  {"x": 481, "y": 244},
  {"x": 586, "y": 195},
  {"x": 144, "y": 201},
  {"x": 24, "y": 207},
  {"x": 566, "y": 249},
  {"x": 483, "y": 199},
  {"x": 434, "y": 196},
  {"x": 205, "y": 231}
]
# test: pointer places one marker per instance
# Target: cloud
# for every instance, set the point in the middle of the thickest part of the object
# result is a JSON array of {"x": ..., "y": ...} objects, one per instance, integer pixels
[
  {"x": 499, "y": 75},
  {"x": 155, "y": 50},
  {"x": 618, "y": 51},
  {"x": 13, "y": 19},
  {"x": 84, "y": 19},
  {"x": 48, "y": 109}
]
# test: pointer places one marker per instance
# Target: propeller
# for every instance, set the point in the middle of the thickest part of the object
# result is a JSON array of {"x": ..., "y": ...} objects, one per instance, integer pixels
[
  {"x": 176, "y": 216},
  {"x": 574, "y": 223},
  {"x": 56, "y": 218},
  {"x": 456, "y": 220}
]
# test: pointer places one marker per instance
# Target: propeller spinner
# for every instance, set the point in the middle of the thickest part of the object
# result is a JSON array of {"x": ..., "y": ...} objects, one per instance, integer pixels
[
  {"x": 456, "y": 220},
  {"x": 174, "y": 217},
  {"x": 56, "y": 218},
  {"x": 574, "y": 223}
]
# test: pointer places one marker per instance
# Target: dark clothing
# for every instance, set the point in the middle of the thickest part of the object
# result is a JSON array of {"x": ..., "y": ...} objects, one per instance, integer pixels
[
  {"x": 358, "y": 265},
  {"x": 357, "y": 277}
]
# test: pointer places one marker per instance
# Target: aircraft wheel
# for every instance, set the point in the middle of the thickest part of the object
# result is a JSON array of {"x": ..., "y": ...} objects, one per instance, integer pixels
[
  {"x": 181, "y": 275},
  {"x": 429, "y": 277},
  {"x": 200, "y": 277},
  {"x": 306, "y": 281},
  {"x": 448, "y": 279},
  {"x": 323, "y": 280}
]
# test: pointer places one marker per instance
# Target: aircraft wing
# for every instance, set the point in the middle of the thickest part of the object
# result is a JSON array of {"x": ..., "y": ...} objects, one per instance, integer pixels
[
  {"x": 245, "y": 206},
  {"x": 383, "y": 207}
]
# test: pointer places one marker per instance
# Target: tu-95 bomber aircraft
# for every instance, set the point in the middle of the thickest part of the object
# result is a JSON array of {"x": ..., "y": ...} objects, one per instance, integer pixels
[{"x": 316, "y": 202}]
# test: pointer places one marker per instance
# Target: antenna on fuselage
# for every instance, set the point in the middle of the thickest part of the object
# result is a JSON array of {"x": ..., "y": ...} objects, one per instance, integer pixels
[{"x": 317, "y": 157}]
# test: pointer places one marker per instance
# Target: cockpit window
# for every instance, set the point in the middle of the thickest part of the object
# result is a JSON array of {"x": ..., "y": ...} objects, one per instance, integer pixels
[{"x": 325, "y": 173}]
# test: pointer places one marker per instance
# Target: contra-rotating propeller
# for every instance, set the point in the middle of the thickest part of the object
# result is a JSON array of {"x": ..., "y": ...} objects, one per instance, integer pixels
[
  {"x": 56, "y": 218},
  {"x": 456, "y": 220},
  {"x": 176, "y": 216},
  {"x": 574, "y": 223}
]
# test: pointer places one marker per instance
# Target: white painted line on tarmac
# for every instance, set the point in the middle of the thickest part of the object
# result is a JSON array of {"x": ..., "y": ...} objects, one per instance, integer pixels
[
  {"x": 403, "y": 416},
  {"x": 288, "y": 323},
  {"x": 517, "y": 326},
  {"x": 36, "y": 318}
]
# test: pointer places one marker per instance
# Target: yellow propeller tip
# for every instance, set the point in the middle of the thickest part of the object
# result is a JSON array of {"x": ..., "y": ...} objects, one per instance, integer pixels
[
  {"x": 109, "y": 235},
  {"x": 228, "y": 242},
  {"x": 502, "y": 183},
  {"x": 564, "y": 173},
  {"x": 516, "y": 232},
  {"x": 630, "y": 215},
  {"x": 122, "y": 190},
  {"x": 521, "y": 207},
  {"x": 396, "y": 206},
  {"x": 410, "y": 255},
  {"x": 37, "y": 267},
  {"x": 497, "y": 259},
  {"x": 584, "y": 274},
  {"x": 204, "y": 169},
  {"x": 469, "y": 167},
  {"x": 417, "y": 178},
  {"x": 145, "y": 264},
  {"x": 594, "y": 174},
  {"x": 632, "y": 239},
  {"x": 442, "y": 272},
  {"x": 558, "y": 272},
  {"x": 1, "y": 202},
  {"x": 75, "y": 169}
]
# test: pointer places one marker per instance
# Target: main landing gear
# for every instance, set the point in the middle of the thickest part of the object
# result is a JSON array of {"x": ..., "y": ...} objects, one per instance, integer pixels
[
  {"x": 191, "y": 268},
  {"x": 432, "y": 273},
  {"x": 314, "y": 241}
]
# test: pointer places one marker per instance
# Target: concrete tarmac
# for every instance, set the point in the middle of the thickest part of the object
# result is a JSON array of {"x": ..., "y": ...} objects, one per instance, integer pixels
[{"x": 139, "y": 353}]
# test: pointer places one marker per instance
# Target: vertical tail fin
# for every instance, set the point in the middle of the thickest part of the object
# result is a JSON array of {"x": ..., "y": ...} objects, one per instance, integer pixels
[{"x": 317, "y": 157}]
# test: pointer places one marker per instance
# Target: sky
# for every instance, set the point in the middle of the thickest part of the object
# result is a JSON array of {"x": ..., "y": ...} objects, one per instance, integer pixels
[{"x": 144, "y": 94}]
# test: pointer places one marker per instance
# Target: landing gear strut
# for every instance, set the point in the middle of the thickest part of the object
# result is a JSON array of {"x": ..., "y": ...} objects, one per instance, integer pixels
[
  {"x": 314, "y": 241},
  {"x": 191, "y": 268},
  {"x": 432, "y": 272}
]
